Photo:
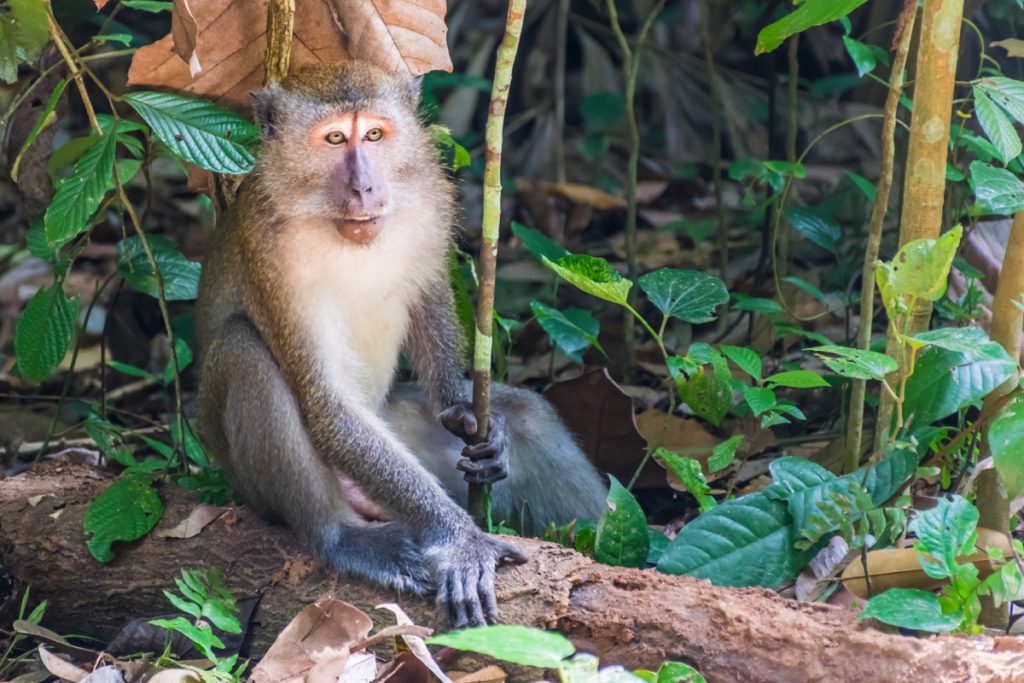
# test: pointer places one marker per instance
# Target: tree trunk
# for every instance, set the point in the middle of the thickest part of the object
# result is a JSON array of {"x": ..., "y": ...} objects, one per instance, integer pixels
[{"x": 626, "y": 616}]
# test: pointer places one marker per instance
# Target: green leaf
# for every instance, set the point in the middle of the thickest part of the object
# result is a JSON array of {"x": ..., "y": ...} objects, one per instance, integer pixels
[
  {"x": 997, "y": 126},
  {"x": 817, "y": 227},
  {"x": 125, "y": 511},
  {"x": 910, "y": 608},
  {"x": 862, "y": 55},
  {"x": 572, "y": 330},
  {"x": 24, "y": 31},
  {"x": 186, "y": 606},
  {"x": 797, "y": 379},
  {"x": 130, "y": 370},
  {"x": 746, "y": 541},
  {"x": 123, "y": 38},
  {"x": 1005, "y": 436},
  {"x": 149, "y": 5},
  {"x": 45, "y": 118},
  {"x": 723, "y": 454},
  {"x": 944, "y": 533},
  {"x": 685, "y": 294},
  {"x": 920, "y": 269},
  {"x": 998, "y": 191},
  {"x": 622, "y": 539},
  {"x": 676, "y": 672},
  {"x": 854, "y": 363},
  {"x": 181, "y": 276},
  {"x": 689, "y": 472},
  {"x": 946, "y": 381},
  {"x": 593, "y": 275},
  {"x": 200, "y": 634},
  {"x": 755, "y": 304},
  {"x": 539, "y": 244},
  {"x": 807, "y": 287},
  {"x": 184, "y": 354},
  {"x": 79, "y": 195},
  {"x": 709, "y": 395},
  {"x": 810, "y": 13},
  {"x": 866, "y": 187},
  {"x": 965, "y": 340},
  {"x": 748, "y": 360},
  {"x": 198, "y": 131},
  {"x": 760, "y": 399},
  {"x": 44, "y": 332},
  {"x": 510, "y": 643},
  {"x": 1005, "y": 92},
  {"x": 223, "y": 614}
]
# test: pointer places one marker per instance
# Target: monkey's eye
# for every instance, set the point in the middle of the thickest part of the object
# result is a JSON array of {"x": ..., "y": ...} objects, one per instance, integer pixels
[
  {"x": 374, "y": 134},
  {"x": 335, "y": 137}
]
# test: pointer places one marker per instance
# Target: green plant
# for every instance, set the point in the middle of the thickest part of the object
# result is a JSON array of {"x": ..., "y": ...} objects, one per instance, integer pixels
[
  {"x": 546, "y": 650},
  {"x": 35, "y": 617}
]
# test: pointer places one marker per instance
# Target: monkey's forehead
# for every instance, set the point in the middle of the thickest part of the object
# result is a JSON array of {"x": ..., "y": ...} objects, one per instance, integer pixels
[{"x": 351, "y": 83}]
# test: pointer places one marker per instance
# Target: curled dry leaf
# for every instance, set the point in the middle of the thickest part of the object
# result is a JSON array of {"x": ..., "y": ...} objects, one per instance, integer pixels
[
  {"x": 418, "y": 663},
  {"x": 216, "y": 47},
  {"x": 61, "y": 668},
  {"x": 197, "y": 520}
]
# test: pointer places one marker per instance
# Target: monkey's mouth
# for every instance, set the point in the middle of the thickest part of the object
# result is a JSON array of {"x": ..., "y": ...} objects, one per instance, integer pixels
[{"x": 361, "y": 229}]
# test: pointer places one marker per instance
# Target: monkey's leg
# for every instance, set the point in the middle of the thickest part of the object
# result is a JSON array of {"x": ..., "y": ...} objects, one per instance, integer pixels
[
  {"x": 250, "y": 419},
  {"x": 550, "y": 479}
]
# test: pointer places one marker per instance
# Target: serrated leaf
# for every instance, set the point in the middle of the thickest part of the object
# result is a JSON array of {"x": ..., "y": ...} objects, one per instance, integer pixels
[
  {"x": 539, "y": 244},
  {"x": 125, "y": 511},
  {"x": 815, "y": 226},
  {"x": 593, "y": 275},
  {"x": 723, "y": 454},
  {"x": 181, "y": 276},
  {"x": 760, "y": 399},
  {"x": 809, "y": 13},
  {"x": 688, "y": 295},
  {"x": 510, "y": 643},
  {"x": 855, "y": 363},
  {"x": 944, "y": 532},
  {"x": 997, "y": 126},
  {"x": 748, "y": 360},
  {"x": 689, "y": 472},
  {"x": 1008, "y": 93},
  {"x": 920, "y": 269},
  {"x": 1005, "y": 436},
  {"x": 79, "y": 195},
  {"x": 572, "y": 330},
  {"x": 998, "y": 191},
  {"x": 797, "y": 379},
  {"x": 622, "y": 539},
  {"x": 910, "y": 608},
  {"x": 746, "y": 541},
  {"x": 44, "y": 332},
  {"x": 199, "y": 131}
]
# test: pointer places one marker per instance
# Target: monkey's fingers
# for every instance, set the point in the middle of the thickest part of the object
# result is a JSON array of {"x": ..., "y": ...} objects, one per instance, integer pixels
[
  {"x": 482, "y": 451},
  {"x": 509, "y": 554},
  {"x": 459, "y": 420},
  {"x": 484, "y": 471}
]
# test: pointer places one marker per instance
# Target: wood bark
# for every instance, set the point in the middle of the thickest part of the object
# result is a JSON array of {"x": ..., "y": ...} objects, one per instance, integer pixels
[{"x": 626, "y": 616}]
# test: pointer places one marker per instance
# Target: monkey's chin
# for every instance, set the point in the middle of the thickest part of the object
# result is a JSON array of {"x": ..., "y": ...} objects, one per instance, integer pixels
[{"x": 361, "y": 231}]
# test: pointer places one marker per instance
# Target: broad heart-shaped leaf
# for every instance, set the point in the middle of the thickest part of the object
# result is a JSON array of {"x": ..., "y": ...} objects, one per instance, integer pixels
[
  {"x": 747, "y": 541},
  {"x": 998, "y": 191},
  {"x": 810, "y": 13},
  {"x": 685, "y": 294},
  {"x": 910, "y": 608},
  {"x": 539, "y": 244},
  {"x": 593, "y": 275},
  {"x": 510, "y": 643},
  {"x": 709, "y": 395},
  {"x": 79, "y": 195},
  {"x": 997, "y": 126},
  {"x": 44, "y": 332},
  {"x": 946, "y": 381},
  {"x": 920, "y": 269},
  {"x": 817, "y": 227},
  {"x": 198, "y": 131},
  {"x": 854, "y": 363},
  {"x": 945, "y": 532},
  {"x": 1005, "y": 436},
  {"x": 125, "y": 511},
  {"x": 622, "y": 539},
  {"x": 572, "y": 330},
  {"x": 181, "y": 276}
]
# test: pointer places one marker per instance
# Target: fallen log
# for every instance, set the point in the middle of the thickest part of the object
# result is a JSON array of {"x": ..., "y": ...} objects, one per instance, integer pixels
[{"x": 629, "y": 617}]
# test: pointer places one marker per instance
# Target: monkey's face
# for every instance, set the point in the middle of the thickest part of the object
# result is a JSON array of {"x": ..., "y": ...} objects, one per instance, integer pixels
[{"x": 342, "y": 148}]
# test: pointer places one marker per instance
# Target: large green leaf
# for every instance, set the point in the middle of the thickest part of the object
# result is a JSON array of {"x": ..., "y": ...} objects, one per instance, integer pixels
[
  {"x": 810, "y": 13},
  {"x": 510, "y": 643},
  {"x": 685, "y": 294},
  {"x": 960, "y": 339},
  {"x": 539, "y": 244},
  {"x": 945, "y": 532},
  {"x": 709, "y": 395},
  {"x": 997, "y": 126},
  {"x": 181, "y": 276},
  {"x": 746, "y": 541},
  {"x": 1005, "y": 437},
  {"x": 1006, "y": 92},
  {"x": 920, "y": 269},
  {"x": 855, "y": 363},
  {"x": 622, "y": 539},
  {"x": 593, "y": 275},
  {"x": 748, "y": 360},
  {"x": 24, "y": 31},
  {"x": 125, "y": 511},
  {"x": 44, "y": 332},
  {"x": 572, "y": 330},
  {"x": 79, "y": 195},
  {"x": 946, "y": 381},
  {"x": 817, "y": 227},
  {"x": 998, "y": 191},
  {"x": 198, "y": 130},
  {"x": 910, "y": 608}
]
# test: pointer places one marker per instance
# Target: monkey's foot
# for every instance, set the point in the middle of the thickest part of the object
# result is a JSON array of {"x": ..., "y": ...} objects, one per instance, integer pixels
[{"x": 386, "y": 554}]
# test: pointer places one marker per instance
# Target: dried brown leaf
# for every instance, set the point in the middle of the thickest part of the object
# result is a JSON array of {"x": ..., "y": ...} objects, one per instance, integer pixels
[
  {"x": 61, "y": 668},
  {"x": 197, "y": 520}
]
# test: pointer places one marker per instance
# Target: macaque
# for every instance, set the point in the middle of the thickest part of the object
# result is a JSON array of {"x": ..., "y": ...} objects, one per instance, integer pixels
[{"x": 330, "y": 263}]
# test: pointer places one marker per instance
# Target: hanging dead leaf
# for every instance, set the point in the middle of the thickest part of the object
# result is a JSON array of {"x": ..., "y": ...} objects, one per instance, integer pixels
[
  {"x": 1014, "y": 46},
  {"x": 197, "y": 520},
  {"x": 216, "y": 47}
]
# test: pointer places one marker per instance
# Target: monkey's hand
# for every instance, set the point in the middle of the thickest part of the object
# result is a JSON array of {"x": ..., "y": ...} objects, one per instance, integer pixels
[
  {"x": 465, "y": 575},
  {"x": 482, "y": 463}
]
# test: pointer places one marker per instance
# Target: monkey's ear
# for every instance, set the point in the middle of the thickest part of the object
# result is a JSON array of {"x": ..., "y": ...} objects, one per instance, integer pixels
[
  {"x": 415, "y": 89},
  {"x": 264, "y": 107}
]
